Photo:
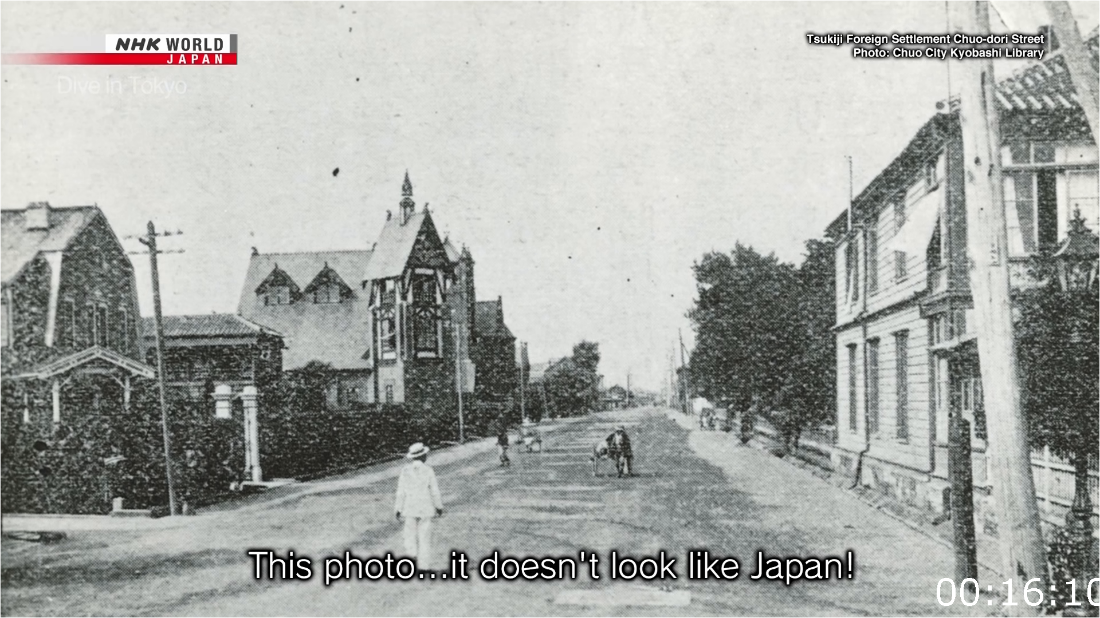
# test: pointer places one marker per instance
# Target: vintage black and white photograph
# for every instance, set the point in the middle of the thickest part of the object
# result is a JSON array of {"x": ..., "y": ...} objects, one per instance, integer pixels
[{"x": 550, "y": 308}]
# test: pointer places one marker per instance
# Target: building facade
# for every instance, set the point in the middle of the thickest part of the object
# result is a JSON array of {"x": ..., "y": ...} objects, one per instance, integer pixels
[
  {"x": 70, "y": 315},
  {"x": 202, "y": 352},
  {"x": 396, "y": 321},
  {"x": 906, "y": 353}
]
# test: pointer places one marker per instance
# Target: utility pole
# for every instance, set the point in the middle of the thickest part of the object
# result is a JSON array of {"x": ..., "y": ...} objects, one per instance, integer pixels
[
  {"x": 150, "y": 240},
  {"x": 684, "y": 378},
  {"x": 522, "y": 384},
  {"x": 459, "y": 381},
  {"x": 628, "y": 397},
  {"x": 1021, "y": 541}
]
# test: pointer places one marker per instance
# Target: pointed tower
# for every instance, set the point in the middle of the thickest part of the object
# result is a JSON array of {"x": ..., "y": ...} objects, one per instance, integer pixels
[{"x": 408, "y": 206}]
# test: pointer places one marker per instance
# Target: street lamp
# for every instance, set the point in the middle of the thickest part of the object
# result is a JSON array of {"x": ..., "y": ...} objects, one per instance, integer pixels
[
  {"x": 1075, "y": 259},
  {"x": 1076, "y": 264}
]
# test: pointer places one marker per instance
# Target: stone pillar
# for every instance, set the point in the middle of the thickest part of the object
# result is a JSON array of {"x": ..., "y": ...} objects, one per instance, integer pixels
[
  {"x": 55, "y": 388},
  {"x": 223, "y": 395},
  {"x": 252, "y": 434}
]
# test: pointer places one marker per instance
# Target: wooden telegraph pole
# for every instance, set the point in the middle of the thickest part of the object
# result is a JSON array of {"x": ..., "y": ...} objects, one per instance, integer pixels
[
  {"x": 522, "y": 384},
  {"x": 684, "y": 377},
  {"x": 987, "y": 238},
  {"x": 150, "y": 240},
  {"x": 459, "y": 381}
]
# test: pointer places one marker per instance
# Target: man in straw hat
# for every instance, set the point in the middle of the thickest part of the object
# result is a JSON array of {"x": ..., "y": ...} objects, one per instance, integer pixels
[{"x": 418, "y": 500}]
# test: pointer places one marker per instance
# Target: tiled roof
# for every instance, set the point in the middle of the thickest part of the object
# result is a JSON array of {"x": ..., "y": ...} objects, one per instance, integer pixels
[
  {"x": 207, "y": 325},
  {"x": 395, "y": 243},
  {"x": 489, "y": 319},
  {"x": 19, "y": 246},
  {"x": 1041, "y": 86},
  {"x": 337, "y": 333}
]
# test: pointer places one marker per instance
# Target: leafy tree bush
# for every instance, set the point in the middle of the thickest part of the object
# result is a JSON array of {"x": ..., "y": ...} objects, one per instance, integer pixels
[{"x": 763, "y": 330}]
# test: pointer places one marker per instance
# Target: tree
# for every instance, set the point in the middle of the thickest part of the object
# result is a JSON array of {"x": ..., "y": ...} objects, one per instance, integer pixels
[
  {"x": 746, "y": 323},
  {"x": 1057, "y": 346},
  {"x": 811, "y": 384},
  {"x": 572, "y": 384}
]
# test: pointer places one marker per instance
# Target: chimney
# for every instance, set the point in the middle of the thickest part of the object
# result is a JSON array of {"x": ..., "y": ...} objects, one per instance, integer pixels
[{"x": 37, "y": 216}]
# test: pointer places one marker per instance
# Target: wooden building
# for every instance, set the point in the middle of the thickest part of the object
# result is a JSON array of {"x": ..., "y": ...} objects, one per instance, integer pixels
[
  {"x": 69, "y": 320},
  {"x": 202, "y": 352},
  {"x": 906, "y": 353}
]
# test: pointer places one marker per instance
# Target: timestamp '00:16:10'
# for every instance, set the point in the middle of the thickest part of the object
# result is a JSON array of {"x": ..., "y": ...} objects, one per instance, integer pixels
[{"x": 967, "y": 592}]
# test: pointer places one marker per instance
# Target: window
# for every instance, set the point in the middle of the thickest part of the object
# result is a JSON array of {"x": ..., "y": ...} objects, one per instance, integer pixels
[
  {"x": 872, "y": 260},
  {"x": 327, "y": 293},
  {"x": 872, "y": 386},
  {"x": 852, "y": 417},
  {"x": 1031, "y": 152},
  {"x": 424, "y": 289},
  {"x": 1042, "y": 153},
  {"x": 901, "y": 358},
  {"x": 931, "y": 176},
  {"x": 851, "y": 261},
  {"x": 899, "y": 213},
  {"x": 67, "y": 318},
  {"x": 101, "y": 325},
  {"x": 123, "y": 330},
  {"x": 1081, "y": 188},
  {"x": 278, "y": 295},
  {"x": 426, "y": 332},
  {"x": 901, "y": 269},
  {"x": 1031, "y": 207},
  {"x": 387, "y": 335},
  {"x": 389, "y": 392}
]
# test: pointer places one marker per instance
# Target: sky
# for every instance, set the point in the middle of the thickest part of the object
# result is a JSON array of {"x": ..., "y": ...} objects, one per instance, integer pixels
[{"x": 587, "y": 153}]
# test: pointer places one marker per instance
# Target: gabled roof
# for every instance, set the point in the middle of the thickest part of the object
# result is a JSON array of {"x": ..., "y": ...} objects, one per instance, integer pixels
[
  {"x": 205, "y": 325},
  {"x": 395, "y": 244},
  {"x": 489, "y": 319},
  {"x": 88, "y": 355},
  {"x": 328, "y": 274},
  {"x": 20, "y": 246},
  {"x": 302, "y": 268},
  {"x": 336, "y": 333}
]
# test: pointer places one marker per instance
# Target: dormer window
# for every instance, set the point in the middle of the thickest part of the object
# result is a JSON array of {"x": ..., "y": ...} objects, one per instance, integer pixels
[
  {"x": 327, "y": 293},
  {"x": 277, "y": 289},
  {"x": 277, "y": 295}
]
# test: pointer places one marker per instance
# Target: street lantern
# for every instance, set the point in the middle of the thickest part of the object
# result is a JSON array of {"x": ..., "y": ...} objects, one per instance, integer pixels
[
  {"x": 1076, "y": 257},
  {"x": 1076, "y": 262}
]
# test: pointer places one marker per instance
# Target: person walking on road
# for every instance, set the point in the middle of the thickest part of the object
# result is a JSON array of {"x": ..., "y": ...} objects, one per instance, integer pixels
[
  {"x": 502, "y": 447},
  {"x": 418, "y": 501}
]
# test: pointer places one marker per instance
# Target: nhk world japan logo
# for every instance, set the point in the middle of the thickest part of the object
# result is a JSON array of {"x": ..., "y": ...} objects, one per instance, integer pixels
[{"x": 137, "y": 49}]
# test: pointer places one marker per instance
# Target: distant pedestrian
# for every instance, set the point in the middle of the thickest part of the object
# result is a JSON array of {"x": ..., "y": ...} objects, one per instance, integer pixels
[
  {"x": 418, "y": 500},
  {"x": 502, "y": 447}
]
